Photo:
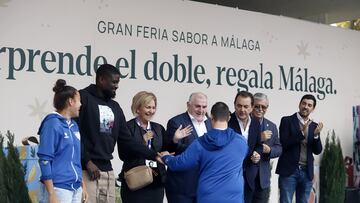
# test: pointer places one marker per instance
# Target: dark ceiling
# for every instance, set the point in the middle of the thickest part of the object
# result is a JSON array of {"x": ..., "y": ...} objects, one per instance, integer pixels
[{"x": 321, "y": 11}]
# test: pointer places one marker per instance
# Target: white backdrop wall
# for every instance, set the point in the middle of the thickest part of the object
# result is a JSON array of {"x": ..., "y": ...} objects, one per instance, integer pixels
[{"x": 220, "y": 50}]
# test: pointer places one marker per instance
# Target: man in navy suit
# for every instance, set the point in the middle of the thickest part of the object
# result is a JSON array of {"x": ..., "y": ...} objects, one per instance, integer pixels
[
  {"x": 245, "y": 125},
  {"x": 271, "y": 149},
  {"x": 300, "y": 139},
  {"x": 181, "y": 187}
]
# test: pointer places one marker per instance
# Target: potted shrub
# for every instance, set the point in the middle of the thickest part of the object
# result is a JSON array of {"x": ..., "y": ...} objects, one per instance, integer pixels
[{"x": 332, "y": 172}]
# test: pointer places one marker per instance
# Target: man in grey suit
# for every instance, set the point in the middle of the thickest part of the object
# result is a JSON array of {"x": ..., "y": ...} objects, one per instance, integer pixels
[{"x": 271, "y": 149}]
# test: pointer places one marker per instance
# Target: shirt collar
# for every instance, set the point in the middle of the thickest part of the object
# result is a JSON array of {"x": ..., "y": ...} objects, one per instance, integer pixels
[
  {"x": 248, "y": 123},
  {"x": 148, "y": 127},
  {"x": 301, "y": 119}
]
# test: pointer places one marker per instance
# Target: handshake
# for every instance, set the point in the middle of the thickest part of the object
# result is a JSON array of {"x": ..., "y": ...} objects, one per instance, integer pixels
[{"x": 160, "y": 155}]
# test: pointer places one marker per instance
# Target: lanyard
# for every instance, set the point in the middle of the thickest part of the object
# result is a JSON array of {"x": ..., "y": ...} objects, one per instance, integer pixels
[{"x": 147, "y": 130}]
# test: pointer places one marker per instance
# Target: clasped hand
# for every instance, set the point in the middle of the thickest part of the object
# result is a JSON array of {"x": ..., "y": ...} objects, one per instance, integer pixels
[
  {"x": 255, "y": 157},
  {"x": 148, "y": 136},
  {"x": 318, "y": 128},
  {"x": 265, "y": 135}
]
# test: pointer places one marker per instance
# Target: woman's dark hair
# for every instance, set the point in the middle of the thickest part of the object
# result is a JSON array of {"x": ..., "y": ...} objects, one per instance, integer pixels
[{"x": 62, "y": 93}]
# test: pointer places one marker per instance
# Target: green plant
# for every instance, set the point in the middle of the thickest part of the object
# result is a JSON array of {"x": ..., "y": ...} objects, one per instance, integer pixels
[
  {"x": 332, "y": 172},
  {"x": 14, "y": 175},
  {"x": 3, "y": 191}
]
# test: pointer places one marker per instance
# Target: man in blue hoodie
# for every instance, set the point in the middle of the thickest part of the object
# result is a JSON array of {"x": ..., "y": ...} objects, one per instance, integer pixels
[{"x": 219, "y": 154}]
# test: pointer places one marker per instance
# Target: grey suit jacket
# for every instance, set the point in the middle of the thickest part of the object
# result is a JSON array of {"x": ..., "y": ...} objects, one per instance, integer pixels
[{"x": 276, "y": 149}]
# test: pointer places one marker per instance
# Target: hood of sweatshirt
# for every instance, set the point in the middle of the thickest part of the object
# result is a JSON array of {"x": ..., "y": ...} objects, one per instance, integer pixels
[
  {"x": 92, "y": 89},
  {"x": 217, "y": 139},
  {"x": 53, "y": 115}
]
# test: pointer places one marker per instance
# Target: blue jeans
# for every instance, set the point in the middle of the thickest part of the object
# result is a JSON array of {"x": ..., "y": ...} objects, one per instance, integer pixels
[
  {"x": 62, "y": 195},
  {"x": 298, "y": 182}
]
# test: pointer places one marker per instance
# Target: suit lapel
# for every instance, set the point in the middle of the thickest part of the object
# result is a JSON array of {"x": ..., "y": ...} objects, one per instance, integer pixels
[
  {"x": 157, "y": 131},
  {"x": 235, "y": 124},
  {"x": 264, "y": 125},
  {"x": 311, "y": 131},
  {"x": 295, "y": 121},
  {"x": 252, "y": 134}
]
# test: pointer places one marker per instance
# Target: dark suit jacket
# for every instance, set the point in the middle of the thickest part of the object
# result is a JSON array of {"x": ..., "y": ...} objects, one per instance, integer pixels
[
  {"x": 183, "y": 183},
  {"x": 274, "y": 144},
  {"x": 290, "y": 139},
  {"x": 254, "y": 143}
]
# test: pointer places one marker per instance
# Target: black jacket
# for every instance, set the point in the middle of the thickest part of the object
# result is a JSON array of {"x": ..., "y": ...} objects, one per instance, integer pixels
[
  {"x": 137, "y": 158},
  {"x": 254, "y": 143},
  {"x": 290, "y": 139}
]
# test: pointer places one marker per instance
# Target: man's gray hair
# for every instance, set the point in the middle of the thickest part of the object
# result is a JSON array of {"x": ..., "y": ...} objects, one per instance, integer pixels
[
  {"x": 260, "y": 96},
  {"x": 192, "y": 95}
]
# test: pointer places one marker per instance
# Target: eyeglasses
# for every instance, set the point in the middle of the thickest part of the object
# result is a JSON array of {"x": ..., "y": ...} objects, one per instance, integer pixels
[{"x": 258, "y": 107}]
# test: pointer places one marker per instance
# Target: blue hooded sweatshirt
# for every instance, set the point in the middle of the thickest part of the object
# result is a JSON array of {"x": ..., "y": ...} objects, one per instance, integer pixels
[
  {"x": 59, "y": 152},
  {"x": 219, "y": 154}
]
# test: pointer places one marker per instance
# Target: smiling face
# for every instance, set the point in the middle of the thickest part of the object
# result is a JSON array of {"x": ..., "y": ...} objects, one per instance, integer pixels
[
  {"x": 260, "y": 107},
  {"x": 144, "y": 106},
  {"x": 74, "y": 105},
  {"x": 306, "y": 106},
  {"x": 197, "y": 106},
  {"x": 109, "y": 85},
  {"x": 147, "y": 111}
]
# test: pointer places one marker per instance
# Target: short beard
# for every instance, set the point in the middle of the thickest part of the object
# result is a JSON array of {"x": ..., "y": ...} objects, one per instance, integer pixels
[{"x": 109, "y": 94}]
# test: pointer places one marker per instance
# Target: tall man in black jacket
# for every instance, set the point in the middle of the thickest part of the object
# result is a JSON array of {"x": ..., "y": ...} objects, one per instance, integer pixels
[
  {"x": 242, "y": 123},
  {"x": 102, "y": 124}
]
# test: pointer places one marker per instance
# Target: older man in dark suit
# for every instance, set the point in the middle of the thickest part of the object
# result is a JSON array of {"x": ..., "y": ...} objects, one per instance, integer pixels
[
  {"x": 181, "y": 187},
  {"x": 271, "y": 149},
  {"x": 300, "y": 139},
  {"x": 245, "y": 125}
]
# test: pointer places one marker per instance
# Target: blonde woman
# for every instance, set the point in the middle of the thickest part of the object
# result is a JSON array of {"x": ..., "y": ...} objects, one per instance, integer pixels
[{"x": 151, "y": 134}]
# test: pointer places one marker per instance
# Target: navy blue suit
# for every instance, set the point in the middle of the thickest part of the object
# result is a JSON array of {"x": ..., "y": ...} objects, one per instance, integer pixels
[
  {"x": 254, "y": 143},
  {"x": 276, "y": 149},
  {"x": 290, "y": 139},
  {"x": 182, "y": 183}
]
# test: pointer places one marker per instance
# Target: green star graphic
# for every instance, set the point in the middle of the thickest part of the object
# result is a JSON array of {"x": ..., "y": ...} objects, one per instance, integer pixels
[
  {"x": 303, "y": 50},
  {"x": 38, "y": 109}
]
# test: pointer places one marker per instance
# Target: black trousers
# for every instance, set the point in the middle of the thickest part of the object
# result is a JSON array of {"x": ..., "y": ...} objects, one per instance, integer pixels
[
  {"x": 178, "y": 198},
  {"x": 258, "y": 195}
]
